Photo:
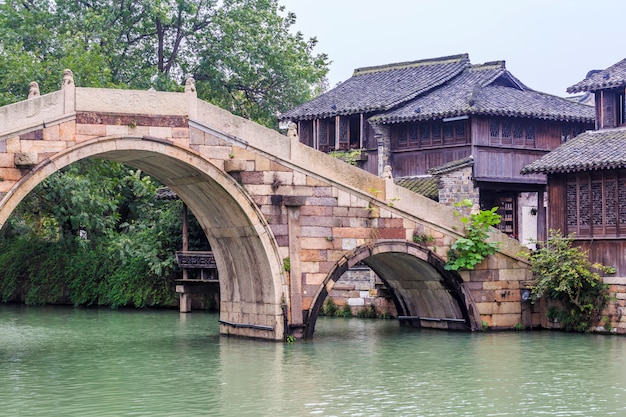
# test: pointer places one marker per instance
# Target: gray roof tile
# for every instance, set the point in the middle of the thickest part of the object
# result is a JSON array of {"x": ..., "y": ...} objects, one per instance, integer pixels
[
  {"x": 612, "y": 77},
  {"x": 487, "y": 89},
  {"x": 452, "y": 166},
  {"x": 592, "y": 150},
  {"x": 424, "y": 185},
  {"x": 380, "y": 88},
  {"x": 438, "y": 88}
]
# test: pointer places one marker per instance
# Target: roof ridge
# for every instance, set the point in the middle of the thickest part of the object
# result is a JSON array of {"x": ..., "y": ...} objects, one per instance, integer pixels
[
  {"x": 489, "y": 65},
  {"x": 411, "y": 64},
  {"x": 452, "y": 165}
]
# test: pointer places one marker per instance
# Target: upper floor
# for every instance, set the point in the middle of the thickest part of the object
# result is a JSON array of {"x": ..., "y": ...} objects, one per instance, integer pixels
[{"x": 422, "y": 114}]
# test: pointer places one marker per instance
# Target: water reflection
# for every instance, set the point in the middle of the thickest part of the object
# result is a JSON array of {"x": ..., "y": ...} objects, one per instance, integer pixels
[{"x": 63, "y": 361}]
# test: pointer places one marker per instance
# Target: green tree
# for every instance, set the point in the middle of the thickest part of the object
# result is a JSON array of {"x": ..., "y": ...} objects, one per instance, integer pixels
[
  {"x": 241, "y": 52},
  {"x": 128, "y": 256}
]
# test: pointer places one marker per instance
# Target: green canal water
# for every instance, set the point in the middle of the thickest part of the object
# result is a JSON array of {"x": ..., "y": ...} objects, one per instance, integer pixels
[{"x": 58, "y": 361}]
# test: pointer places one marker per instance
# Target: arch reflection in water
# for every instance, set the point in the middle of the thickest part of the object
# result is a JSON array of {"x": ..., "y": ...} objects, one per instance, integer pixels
[{"x": 72, "y": 362}]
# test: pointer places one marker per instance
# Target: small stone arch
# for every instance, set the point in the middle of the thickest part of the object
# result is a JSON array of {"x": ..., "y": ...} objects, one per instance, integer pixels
[
  {"x": 420, "y": 284},
  {"x": 253, "y": 287}
]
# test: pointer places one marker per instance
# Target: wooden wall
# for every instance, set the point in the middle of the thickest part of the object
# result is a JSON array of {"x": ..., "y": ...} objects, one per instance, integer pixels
[
  {"x": 418, "y": 162},
  {"x": 608, "y": 252},
  {"x": 505, "y": 164}
]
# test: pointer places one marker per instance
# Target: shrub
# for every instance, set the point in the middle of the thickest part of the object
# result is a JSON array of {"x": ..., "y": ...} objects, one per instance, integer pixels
[
  {"x": 368, "y": 312},
  {"x": 330, "y": 308},
  {"x": 563, "y": 272},
  {"x": 469, "y": 251}
]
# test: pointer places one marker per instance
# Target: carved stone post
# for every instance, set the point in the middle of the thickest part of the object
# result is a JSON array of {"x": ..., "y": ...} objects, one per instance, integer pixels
[
  {"x": 382, "y": 134},
  {"x": 69, "y": 90},
  {"x": 190, "y": 90}
]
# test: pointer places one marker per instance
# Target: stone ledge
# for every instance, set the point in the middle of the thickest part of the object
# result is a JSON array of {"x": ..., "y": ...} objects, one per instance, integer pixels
[{"x": 614, "y": 280}]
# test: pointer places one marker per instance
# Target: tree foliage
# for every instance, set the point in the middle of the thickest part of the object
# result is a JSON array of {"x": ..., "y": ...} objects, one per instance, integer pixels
[
  {"x": 563, "y": 272},
  {"x": 242, "y": 53},
  {"x": 124, "y": 255},
  {"x": 243, "y": 56}
]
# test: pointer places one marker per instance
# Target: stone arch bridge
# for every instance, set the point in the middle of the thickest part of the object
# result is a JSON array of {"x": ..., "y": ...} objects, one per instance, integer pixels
[{"x": 262, "y": 197}]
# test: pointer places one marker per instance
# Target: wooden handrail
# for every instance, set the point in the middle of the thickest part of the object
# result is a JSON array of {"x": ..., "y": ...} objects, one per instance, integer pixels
[{"x": 196, "y": 259}]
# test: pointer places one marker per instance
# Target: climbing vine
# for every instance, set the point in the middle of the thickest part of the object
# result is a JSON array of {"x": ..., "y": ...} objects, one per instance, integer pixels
[
  {"x": 469, "y": 251},
  {"x": 563, "y": 272}
]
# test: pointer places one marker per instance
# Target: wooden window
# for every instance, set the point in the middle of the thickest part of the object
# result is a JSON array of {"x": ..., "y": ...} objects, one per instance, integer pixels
[
  {"x": 401, "y": 136},
  {"x": 448, "y": 134},
  {"x": 413, "y": 135},
  {"x": 459, "y": 130},
  {"x": 569, "y": 131},
  {"x": 436, "y": 133},
  {"x": 518, "y": 131},
  {"x": 621, "y": 200},
  {"x": 595, "y": 204},
  {"x": 425, "y": 139},
  {"x": 530, "y": 136},
  {"x": 344, "y": 132},
  {"x": 323, "y": 134},
  {"x": 327, "y": 134},
  {"x": 507, "y": 132},
  {"x": 494, "y": 131}
]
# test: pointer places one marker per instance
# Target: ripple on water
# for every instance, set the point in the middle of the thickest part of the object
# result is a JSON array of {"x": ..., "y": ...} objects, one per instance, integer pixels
[{"x": 159, "y": 363}]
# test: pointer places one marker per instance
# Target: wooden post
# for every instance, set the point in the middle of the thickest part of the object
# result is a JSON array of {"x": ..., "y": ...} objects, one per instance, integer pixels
[
  {"x": 185, "y": 237},
  {"x": 361, "y": 130},
  {"x": 541, "y": 218}
]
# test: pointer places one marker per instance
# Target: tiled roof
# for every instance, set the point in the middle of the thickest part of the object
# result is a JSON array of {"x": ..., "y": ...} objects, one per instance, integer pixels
[
  {"x": 165, "y": 193},
  {"x": 452, "y": 166},
  {"x": 491, "y": 90},
  {"x": 424, "y": 185},
  {"x": 375, "y": 89},
  {"x": 612, "y": 77},
  {"x": 598, "y": 149}
]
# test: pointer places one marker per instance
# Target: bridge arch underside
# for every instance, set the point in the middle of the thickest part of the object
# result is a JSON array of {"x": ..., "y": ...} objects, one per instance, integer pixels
[
  {"x": 251, "y": 283},
  {"x": 424, "y": 293}
]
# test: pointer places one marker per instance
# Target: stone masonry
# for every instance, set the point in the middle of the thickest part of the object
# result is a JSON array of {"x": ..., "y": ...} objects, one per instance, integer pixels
[{"x": 284, "y": 220}]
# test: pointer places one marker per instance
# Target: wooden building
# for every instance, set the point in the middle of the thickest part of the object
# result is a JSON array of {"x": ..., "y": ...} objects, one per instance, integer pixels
[
  {"x": 451, "y": 119},
  {"x": 587, "y": 175}
]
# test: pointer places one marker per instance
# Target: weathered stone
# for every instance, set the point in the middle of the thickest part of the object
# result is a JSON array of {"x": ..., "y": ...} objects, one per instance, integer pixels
[
  {"x": 294, "y": 200},
  {"x": 234, "y": 165},
  {"x": 25, "y": 159}
]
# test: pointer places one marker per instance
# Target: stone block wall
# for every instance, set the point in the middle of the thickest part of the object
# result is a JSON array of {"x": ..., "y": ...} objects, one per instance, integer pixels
[
  {"x": 456, "y": 186},
  {"x": 360, "y": 288},
  {"x": 616, "y": 310}
]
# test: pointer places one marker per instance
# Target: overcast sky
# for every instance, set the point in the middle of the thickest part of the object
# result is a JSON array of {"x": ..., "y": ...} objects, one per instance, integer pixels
[{"x": 548, "y": 45}]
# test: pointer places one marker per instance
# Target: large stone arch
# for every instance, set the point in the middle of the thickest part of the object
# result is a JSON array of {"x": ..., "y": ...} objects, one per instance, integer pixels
[
  {"x": 252, "y": 284},
  {"x": 421, "y": 286}
]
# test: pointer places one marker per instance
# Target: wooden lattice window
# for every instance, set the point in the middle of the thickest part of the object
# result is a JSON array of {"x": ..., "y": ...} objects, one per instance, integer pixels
[
  {"x": 596, "y": 204},
  {"x": 507, "y": 132},
  {"x": 424, "y": 129},
  {"x": 414, "y": 135},
  {"x": 344, "y": 132},
  {"x": 401, "y": 136}
]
